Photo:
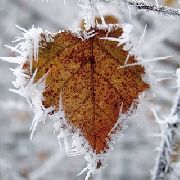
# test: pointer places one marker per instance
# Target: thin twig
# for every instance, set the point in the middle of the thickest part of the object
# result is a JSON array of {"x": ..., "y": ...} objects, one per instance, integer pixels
[{"x": 144, "y": 6}]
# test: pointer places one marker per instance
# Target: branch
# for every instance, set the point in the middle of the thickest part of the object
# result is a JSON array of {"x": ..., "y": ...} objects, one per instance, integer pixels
[
  {"x": 144, "y": 6},
  {"x": 168, "y": 132}
]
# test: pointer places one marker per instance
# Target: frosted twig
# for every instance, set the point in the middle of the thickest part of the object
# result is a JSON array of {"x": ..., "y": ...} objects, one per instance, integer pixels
[
  {"x": 144, "y": 6},
  {"x": 168, "y": 131}
]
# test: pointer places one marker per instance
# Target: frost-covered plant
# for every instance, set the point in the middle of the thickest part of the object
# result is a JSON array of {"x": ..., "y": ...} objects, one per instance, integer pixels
[
  {"x": 169, "y": 127},
  {"x": 32, "y": 88}
]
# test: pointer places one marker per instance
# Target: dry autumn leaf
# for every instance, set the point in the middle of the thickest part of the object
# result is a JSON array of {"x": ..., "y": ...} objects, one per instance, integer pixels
[{"x": 86, "y": 73}]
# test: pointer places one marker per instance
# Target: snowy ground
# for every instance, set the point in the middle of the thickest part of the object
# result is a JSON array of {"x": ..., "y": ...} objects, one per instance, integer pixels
[{"x": 134, "y": 155}]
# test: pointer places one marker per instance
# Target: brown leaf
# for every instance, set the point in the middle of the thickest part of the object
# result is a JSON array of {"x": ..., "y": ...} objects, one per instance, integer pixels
[{"x": 87, "y": 75}]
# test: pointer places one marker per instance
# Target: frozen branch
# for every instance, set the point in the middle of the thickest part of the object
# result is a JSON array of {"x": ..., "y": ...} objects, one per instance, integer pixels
[
  {"x": 144, "y": 6},
  {"x": 168, "y": 133}
]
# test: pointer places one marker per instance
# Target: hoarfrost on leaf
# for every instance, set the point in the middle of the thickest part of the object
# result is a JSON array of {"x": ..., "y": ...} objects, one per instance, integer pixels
[{"x": 32, "y": 85}]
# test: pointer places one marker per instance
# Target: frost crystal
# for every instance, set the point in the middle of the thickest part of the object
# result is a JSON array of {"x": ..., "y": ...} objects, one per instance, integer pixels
[{"x": 27, "y": 48}]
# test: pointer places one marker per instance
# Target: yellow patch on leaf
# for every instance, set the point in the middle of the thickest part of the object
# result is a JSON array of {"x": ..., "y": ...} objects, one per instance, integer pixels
[{"x": 86, "y": 74}]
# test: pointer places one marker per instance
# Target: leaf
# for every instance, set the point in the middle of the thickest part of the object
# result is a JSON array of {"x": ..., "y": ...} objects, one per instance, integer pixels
[{"x": 86, "y": 73}]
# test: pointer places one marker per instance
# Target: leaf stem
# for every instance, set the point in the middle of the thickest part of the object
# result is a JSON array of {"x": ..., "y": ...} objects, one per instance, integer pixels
[{"x": 92, "y": 63}]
